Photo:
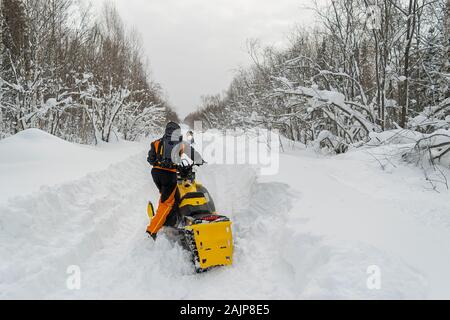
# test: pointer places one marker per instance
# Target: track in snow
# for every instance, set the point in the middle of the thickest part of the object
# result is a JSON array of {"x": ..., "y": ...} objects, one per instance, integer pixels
[{"x": 98, "y": 224}]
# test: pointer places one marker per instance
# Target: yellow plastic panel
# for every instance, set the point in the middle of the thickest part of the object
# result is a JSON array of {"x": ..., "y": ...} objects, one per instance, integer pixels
[
  {"x": 186, "y": 187},
  {"x": 193, "y": 202},
  {"x": 214, "y": 244}
]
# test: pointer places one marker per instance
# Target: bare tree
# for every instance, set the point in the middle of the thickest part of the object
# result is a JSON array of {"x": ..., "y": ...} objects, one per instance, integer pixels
[
  {"x": 346, "y": 78},
  {"x": 51, "y": 78}
]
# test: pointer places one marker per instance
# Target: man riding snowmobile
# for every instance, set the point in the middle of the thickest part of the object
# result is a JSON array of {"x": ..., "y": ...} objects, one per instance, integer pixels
[
  {"x": 190, "y": 137},
  {"x": 165, "y": 154}
]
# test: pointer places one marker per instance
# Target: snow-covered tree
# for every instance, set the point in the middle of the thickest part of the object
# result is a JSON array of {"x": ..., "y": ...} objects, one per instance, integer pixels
[
  {"x": 51, "y": 78},
  {"x": 346, "y": 78}
]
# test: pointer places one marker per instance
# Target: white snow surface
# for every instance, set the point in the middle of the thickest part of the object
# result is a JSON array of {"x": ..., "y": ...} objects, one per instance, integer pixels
[
  {"x": 33, "y": 158},
  {"x": 309, "y": 232}
]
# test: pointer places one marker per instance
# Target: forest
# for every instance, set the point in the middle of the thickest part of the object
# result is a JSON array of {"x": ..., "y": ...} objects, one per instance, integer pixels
[
  {"x": 76, "y": 74},
  {"x": 363, "y": 69}
]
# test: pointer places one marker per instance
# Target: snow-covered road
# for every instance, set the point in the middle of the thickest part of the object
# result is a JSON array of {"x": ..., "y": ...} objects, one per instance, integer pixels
[
  {"x": 97, "y": 222},
  {"x": 312, "y": 234}
]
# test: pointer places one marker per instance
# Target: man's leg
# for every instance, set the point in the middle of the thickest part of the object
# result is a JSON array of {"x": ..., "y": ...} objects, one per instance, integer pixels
[
  {"x": 172, "y": 218},
  {"x": 167, "y": 201},
  {"x": 157, "y": 179}
]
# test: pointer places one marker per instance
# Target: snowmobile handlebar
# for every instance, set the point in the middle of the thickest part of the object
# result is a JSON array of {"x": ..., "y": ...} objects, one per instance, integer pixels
[{"x": 187, "y": 166}]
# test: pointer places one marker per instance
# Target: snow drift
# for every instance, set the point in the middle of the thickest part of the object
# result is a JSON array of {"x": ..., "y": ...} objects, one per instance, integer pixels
[
  {"x": 34, "y": 158},
  {"x": 310, "y": 232}
]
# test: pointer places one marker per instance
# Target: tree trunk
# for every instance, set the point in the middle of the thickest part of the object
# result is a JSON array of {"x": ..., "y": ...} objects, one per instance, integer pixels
[
  {"x": 1, "y": 35},
  {"x": 1, "y": 58},
  {"x": 446, "y": 60},
  {"x": 410, "y": 28}
]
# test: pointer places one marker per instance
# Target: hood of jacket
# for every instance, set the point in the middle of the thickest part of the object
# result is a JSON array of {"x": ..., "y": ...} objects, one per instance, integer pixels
[{"x": 173, "y": 129}]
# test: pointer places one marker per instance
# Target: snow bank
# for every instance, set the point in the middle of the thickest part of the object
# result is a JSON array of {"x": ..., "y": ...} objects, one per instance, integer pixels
[
  {"x": 422, "y": 149},
  {"x": 367, "y": 208},
  {"x": 398, "y": 136},
  {"x": 44, "y": 233},
  {"x": 34, "y": 158},
  {"x": 432, "y": 118}
]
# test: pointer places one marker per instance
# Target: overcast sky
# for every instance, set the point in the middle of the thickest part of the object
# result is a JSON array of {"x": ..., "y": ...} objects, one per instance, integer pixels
[{"x": 194, "y": 46}]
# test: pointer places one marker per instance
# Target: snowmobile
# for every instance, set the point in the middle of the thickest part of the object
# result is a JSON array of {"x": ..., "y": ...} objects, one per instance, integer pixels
[{"x": 199, "y": 228}]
